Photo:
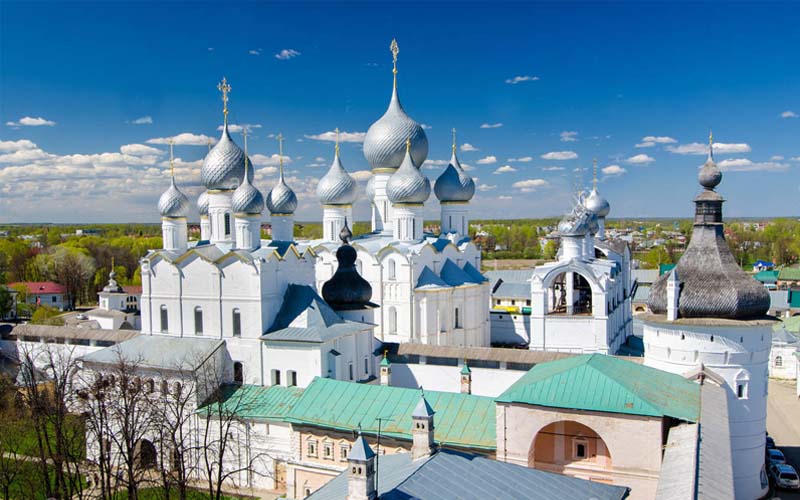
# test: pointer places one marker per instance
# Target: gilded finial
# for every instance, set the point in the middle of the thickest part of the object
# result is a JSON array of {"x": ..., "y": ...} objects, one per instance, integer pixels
[
  {"x": 280, "y": 152},
  {"x": 385, "y": 353},
  {"x": 710, "y": 144},
  {"x": 408, "y": 145},
  {"x": 225, "y": 89},
  {"x": 594, "y": 175},
  {"x": 395, "y": 50},
  {"x": 171, "y": 159},
  {"x": 454, "y": 140},
  {"x": 337, "y": 141}
]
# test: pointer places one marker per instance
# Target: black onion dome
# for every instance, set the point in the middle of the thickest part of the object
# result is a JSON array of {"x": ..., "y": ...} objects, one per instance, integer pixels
[{"x": 347, "y": 289}]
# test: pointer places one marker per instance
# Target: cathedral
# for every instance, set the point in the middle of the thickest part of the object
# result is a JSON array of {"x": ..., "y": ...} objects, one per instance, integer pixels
[{"x": 232, "y": 285}]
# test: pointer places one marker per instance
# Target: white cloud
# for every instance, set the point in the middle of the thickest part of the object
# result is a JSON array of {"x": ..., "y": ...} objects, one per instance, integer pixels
[
  {"x": 504, "y": 197},
  {"x": 569, "y": 136},
  {"x": 776, "y": 158},
  {"x": 613, "y": 170},
  {"x": 319, "y": 159},
  {"x": 696, "y": 148},
  {"x": 651, "y": 140},
  {"x": 524, "y": 159},
  {"x": 560, "y": 155},
  {"x": 491, "y": 125},
  {"x": 488, "y": 160},
  {"x": 505, "y": 169},
  {"x": 143, "y": 120},
  {"x": 330, "y": 136},
  {"x": 254, "y": 52},
  {"x": 260, "y": 160},
  {"x": 529, "y": 185},
  {"x": 640, "y": 159},
  {"x": 140, "y": 150},
  {"x": 12, "y": 146},
  {"x": 27, "y": 121},
  {"x": 486, "y": 187},
  {"x": 184, "y": 139},
  {"x": 237, "y": 128},
  {"x": 286, "y": 54},
  {"x": 522, "y": 78},
  {"x": 467, "y": 167},
  {"x": 466, "y": 147},
  {"x": 552, "y": 169},
  {"x": 361, "y": 175},
  {"x": 431, "y": 164},
  {"x": 795, "y": 158},
  {"x": 425, "y": 126},
  {"x": 789, "y": 114},
  {"x": 746, "y": 165}
]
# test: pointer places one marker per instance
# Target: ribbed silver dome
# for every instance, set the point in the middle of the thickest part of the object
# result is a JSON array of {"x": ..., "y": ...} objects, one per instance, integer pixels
[
  {"x": 596, "y": 204},
  {"x": 576, "y": 223},
  {"x": 369, "y": 190},
  {"x": 247, "y": 199},
  {"x": 336, "y": 187},
  {"x": 281, "y": 200},
  {"x": 223, "y": 167},
  {"x": 202, "y": 203},
  {"x": 385, "y": 143},
  {"x": 408, "y": 184},
  {"x": 454, "y": 184},
  {"x": 173, "y": 203}
]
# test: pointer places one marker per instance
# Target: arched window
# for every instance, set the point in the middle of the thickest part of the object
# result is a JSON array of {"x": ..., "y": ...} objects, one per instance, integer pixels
[
  {"x": 392, "y": 319},
  {"x": 237, "y": 323},
  {"x": 457, "y": 321},
  {"x": 164, "y": 319},
  {"x": 238, "y": 373},
  {"x": 227, "y": 225},
  {"x": 151, "y": 386},
  {"x": 198, "y": 320},
  {"x": 778, "y": 361},
  {"x": 742, "y": 382},
  {"x": 392, "y": 270}
]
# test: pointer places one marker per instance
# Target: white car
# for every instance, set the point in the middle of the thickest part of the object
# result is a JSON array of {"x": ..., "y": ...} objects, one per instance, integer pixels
[{"x": 785, "y": 476}]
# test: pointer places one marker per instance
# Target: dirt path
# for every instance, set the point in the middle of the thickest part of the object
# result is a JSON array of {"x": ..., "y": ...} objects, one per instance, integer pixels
[{"x": 783, "y": 424}]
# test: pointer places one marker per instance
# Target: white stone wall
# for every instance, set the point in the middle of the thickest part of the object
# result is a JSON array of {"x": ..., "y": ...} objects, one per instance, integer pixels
[
  {"x": 783, "y": 362},
  {"x": 740, "y": 355},
  {"x": 485, "y": 381}
]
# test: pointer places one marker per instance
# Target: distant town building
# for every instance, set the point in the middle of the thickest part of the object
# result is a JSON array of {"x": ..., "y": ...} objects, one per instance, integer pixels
[{"x": 44, "y": 293}]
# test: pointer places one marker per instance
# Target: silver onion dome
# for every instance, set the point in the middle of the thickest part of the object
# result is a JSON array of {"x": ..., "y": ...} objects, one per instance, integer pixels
[
  {"x": 202, "y": 203},
  {"x": 369, "y": 190},
  {"x": 710, "y": 175},
  {"x": 223, "y": 167},
  {"x": 576, "y": 223},
  {"x": 597, "y": 204},
  {"x": 336, "y": 187},
  {"x": 385, "y": 142},
  {"x": 173, "y": 203},
  {"x": 454, "y": 184},
  {"x": 247, "y": 199},
  {"x": 408, "y": 184},
  {"x": 281, "y": 200}
]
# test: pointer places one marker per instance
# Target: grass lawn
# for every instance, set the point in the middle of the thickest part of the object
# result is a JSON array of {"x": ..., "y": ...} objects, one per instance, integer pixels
[
  {"x": 28, "y": 485},
  {"x": 157, "y": 494},
  {"x": 29, "y": 445}
]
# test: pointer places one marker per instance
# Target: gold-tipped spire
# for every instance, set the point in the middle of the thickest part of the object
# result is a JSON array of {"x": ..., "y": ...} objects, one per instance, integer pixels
[
  {"x": 171, "y": 159},
  {"x": 337, "y": 141},
  {"x": 710, "y": 144},
  {"x": 408, "y": 145},
  {"x": 594, "y": 174},
  {"x": 280, "y": 153},
  {"x": 225, "y": 89},
  {"x": 395, "y": 50},
  {"x": 454, "y": 140}
]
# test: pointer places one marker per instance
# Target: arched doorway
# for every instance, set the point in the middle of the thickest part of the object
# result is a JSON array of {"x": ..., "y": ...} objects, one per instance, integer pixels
[
  {"x": 570, "y": 294},
  {"x": 145, "y": 456},
  {"x": 571, "y": 448}
]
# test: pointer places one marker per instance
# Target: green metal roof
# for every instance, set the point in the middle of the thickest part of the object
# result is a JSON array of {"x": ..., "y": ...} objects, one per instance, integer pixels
[
  {"x": 255, "y": 401},
  {"x": 790, "y": 274},
  {"x": 791, "y": 324},
  {"x": 461, "y": 420},
  {"x": 665, "y": 268},
  {"x": 597, "y": 382},
  {"x": 794, "y": 298},
  {"x": 767, "y": 276}
]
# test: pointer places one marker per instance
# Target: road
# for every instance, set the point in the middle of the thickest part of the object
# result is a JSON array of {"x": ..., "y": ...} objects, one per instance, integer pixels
[{"x": 783, "y": 424}]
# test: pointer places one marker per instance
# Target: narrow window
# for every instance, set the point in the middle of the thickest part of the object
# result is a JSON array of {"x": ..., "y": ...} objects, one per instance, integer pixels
[
  {"x": 238, "y": 373},
  {"x": 198, "y": 320},
  {"x": 392, "y": 320},
  {"x": 458, "y": 320},
  {"x": 311, "y": 449},
  {"x": 276, "y": 377},
  {"x": 740, "y": 391},
  {"x": 778, "y": 361},
  {"x": 580, "y": 451},
  {"x": 164, "y": 319},
  {"x": 414, "y": 228},
  {"x": 350, "y": 370},
  {"x": 392, "y": 270},
  {"x": 227, "y": 225},
  {"x": 344, "y": 450},
  {"x": 291, "y": 377},
  {"x": 237, "y": 323},
  {"x": 366, "y": 366}
]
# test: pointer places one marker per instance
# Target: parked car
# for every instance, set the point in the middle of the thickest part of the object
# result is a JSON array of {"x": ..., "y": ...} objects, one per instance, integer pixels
[
  {"x": 775, "y": 457},
  {"x": 784, "y": 476},
  {"x": 770, "y": 443}
]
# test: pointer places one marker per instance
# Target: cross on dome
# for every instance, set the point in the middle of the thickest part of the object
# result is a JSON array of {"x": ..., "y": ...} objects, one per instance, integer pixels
[{"x": 225, "y": 88}]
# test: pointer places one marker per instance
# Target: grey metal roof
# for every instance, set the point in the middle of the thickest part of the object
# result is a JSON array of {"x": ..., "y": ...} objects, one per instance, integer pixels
[
  {"x": 454, "y": 184},
  {"x": 481, "y": 353},
  {"x": 513, "y": 291},
  {"x": 782, "y": 336},
  {"x": 158, "y": 351},
  {"x": 305, "y": 317},
  {"x": 73, "y": 332},
  {"x": 408, "y": 184},
  {"x": 510, "y": 275},
  {"x": 715, "y": 472},
  {"x": 429, "y": 280},
  {"x": 423, "y": 409},
  {"x": 337, "y": 187},
  {"x": 645, "y": 276},
  {"x": 642, "y": 293},
  {"x": 451, "y": 475},
  {"x": 779, "y": 299},
  {"x": 361, "y": 450},
  {"x": 173, "y": 203},
  {"x": 455, "y": 276},
  {"x": 679, "y": 465}
]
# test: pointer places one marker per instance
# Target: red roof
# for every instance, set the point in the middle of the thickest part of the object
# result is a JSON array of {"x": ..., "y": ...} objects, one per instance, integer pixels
[
  {"x": 132, "y": 289},
  {"x": 41, "y": 287}
]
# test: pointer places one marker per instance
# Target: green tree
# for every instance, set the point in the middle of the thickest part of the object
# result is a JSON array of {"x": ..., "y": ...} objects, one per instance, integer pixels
[
  {"x": 46, "y": 315},
  {"x": 6, "y": 302}
]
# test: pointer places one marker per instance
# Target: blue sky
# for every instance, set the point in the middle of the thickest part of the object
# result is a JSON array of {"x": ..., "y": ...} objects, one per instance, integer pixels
[{"x": 87, "y": 90}]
